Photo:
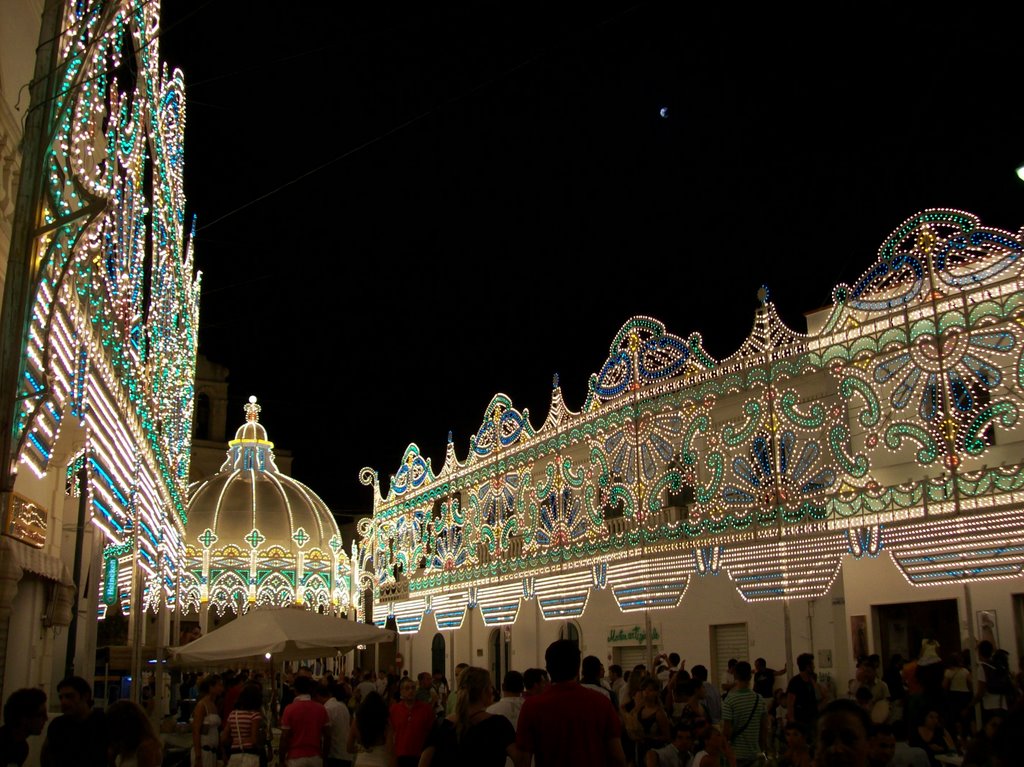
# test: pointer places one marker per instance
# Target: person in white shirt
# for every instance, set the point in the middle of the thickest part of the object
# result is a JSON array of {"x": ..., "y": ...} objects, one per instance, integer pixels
[
  {"x": 511, "y": 701},
  {"x": 338, "y": 756},
  {"x": 615, "y": 678},
  {"x": 365, "y": 687},
  {"x": 664, "y": 670}
]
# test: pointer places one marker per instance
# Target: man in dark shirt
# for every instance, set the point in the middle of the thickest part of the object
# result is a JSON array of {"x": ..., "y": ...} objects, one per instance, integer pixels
[
  {"x": 568, "y": 725},
  {"x": 24, "y": 715},
  {"x": 764, "y": 678},
  {"x": 801, "y": 701},
  {"x": 79, "y": 735}
]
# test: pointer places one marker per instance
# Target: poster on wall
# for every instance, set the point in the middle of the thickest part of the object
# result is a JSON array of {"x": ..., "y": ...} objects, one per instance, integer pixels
[
  {"x": 988, "y": 627},
  {"x": 859, "y": 635}
]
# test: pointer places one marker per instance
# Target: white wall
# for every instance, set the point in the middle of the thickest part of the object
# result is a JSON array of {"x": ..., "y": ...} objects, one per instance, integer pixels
[{"x": 709, "y": 601}]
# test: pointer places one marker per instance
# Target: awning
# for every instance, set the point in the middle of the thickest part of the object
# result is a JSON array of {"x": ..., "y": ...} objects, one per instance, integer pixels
[
  {"x": 16, "y": 559},
  {"x": 33, "y": 560}
]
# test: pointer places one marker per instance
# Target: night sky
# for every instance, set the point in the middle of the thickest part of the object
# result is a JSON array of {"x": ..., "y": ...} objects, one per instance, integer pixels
[{"x": 403, "y": 212}]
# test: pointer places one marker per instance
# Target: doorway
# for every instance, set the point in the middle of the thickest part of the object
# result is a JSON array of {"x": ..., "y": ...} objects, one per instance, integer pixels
[
  {"x": 901, "y": 627},
  {"x": 570, "y": 630},
  {"x": 500, "y": 651},
  {"x": 437, "y": 655},
  {"x": 728, "y": 641}
]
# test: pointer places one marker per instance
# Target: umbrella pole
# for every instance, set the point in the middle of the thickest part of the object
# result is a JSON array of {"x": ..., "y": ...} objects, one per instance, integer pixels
[{"x": 274, "y": 696}]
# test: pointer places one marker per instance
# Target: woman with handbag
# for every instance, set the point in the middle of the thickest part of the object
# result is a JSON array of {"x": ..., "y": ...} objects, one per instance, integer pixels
[{"x": 245, "y": 731}]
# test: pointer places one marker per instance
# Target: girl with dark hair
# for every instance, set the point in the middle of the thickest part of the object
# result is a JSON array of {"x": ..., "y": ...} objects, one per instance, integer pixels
[
  {"x": 932, "y": 737},
  {"x": 652, "y": 720},
  {"x": 132, "y": 740},
  {"x": 245, "y": 731},
  {"x": 368, "y": 735},
  {"x": 471, "y": 735}
]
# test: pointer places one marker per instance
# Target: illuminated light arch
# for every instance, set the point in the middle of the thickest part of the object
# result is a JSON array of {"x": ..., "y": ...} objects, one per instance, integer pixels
[{"x": 227, "y": 590}]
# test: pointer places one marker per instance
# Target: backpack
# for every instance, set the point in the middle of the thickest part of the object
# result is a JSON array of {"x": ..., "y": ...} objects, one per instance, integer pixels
[{"x": 997, "y": 674}]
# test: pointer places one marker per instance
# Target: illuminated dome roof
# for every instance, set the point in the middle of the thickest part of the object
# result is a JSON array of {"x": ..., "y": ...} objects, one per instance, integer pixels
[{"x": 264, "y": 537}]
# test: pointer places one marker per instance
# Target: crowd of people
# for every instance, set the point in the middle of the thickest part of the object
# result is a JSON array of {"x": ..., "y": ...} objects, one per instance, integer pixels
[{"x": 916, "y": 713}]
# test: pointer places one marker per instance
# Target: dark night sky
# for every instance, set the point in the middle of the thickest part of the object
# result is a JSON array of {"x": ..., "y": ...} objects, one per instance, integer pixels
[{"x": 479, "y": 197}]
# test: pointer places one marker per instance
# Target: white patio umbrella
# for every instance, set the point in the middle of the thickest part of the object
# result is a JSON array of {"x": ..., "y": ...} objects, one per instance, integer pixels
[{"x": 287, "y": 633}]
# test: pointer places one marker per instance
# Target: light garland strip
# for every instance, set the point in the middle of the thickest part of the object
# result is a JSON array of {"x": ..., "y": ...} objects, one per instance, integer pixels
[
  {"x": 563, "y": 596},
  {"x": 983, "y": 547},
  {"x": 449, "y": 610},
  {"x": 786, "y": 569},
  {"x": 650, "y": 584}
]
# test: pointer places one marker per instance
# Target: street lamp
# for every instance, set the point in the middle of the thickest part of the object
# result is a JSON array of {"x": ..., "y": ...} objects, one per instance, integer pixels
[{"x": 1020, "y": 172}]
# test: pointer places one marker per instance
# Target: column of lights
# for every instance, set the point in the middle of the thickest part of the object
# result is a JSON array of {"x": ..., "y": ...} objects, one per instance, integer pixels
[
  {"x": 499, "y": 605},
  {"x": 408, "y": 615},
  {"x": 785, "y": 569},
  {"x": 563, "y": 596}
]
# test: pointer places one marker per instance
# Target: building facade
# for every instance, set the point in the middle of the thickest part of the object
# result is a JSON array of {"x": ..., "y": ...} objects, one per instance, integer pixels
[
  {"x": 99, "y": 325},
  {"x": 853, "y": 489}
]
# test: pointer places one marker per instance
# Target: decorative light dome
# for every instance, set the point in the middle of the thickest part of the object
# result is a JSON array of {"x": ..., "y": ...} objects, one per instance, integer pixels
[{"x": 258, "y": 537}]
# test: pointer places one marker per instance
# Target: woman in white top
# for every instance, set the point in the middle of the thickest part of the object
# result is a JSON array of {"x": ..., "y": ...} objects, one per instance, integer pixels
[{"x": 206, "y": 723}]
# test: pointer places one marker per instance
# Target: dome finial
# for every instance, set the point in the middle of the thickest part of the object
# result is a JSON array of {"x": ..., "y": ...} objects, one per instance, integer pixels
[{"x": 252, "y": 410}]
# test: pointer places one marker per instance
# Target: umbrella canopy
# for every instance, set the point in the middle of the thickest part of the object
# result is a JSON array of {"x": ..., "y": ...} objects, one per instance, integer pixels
[{"x": 288, "y": 633}]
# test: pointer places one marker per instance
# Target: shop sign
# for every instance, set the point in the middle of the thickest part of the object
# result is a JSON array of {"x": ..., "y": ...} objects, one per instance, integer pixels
[
  {"x": 633, "y": 635},
  {"x": 110, "y": 581}
]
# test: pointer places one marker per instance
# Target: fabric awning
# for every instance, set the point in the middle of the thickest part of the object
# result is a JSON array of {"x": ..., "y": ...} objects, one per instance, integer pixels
[{"x": 35, "y": 561}]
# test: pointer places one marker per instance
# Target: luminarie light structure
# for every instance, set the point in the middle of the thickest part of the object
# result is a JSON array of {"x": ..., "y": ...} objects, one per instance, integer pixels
[
  {"x": 257, "y": 537},
  {"x": 890, "y": 424},
  {"x": 99, "y": 322},
  {"x": 110, "y": 335}
]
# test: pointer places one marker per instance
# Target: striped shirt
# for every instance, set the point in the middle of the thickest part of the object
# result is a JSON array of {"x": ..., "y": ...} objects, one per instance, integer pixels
[
  {"x": 243, "y": 727},
  {"x": 745, "y": 709}
]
